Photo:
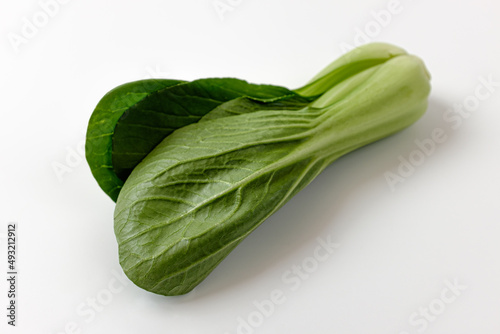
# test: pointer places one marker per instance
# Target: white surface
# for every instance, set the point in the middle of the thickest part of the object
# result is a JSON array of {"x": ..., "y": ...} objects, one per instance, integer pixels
[{"x": 397, "y": 249}]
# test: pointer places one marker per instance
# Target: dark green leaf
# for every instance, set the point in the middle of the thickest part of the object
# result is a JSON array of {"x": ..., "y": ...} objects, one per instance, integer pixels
[
  {"x": 133, "y": 118},
  {"x": 101, "y": 128}
]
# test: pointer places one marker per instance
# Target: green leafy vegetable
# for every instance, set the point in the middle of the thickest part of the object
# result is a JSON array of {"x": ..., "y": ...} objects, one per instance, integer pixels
[
  {"x": 207, "y": 185},
  {"x": 133, "y": 118}
]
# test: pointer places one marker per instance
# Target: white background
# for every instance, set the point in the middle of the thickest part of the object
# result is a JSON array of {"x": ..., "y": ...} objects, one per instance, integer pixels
[{"x": 399, "y": 248}]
